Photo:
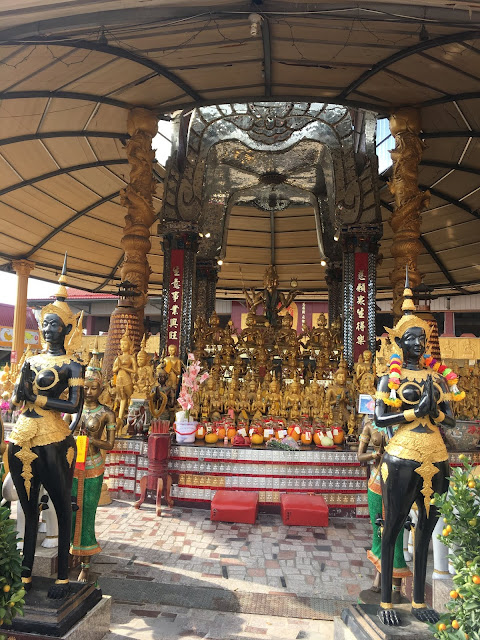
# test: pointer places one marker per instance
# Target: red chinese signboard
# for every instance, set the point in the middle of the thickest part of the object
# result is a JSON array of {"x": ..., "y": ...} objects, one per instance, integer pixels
[
  {"x": 360, "y": 305},
  {"x": 175, "y": 292}
]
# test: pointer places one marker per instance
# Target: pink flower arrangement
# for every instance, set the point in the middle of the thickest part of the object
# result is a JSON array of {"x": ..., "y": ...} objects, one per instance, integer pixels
[
  {"x": 5, "y": 406},
  {"x": 191, "y": 381}
]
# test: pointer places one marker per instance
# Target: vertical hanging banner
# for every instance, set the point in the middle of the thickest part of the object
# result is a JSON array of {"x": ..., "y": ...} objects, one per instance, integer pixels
[
  {"x": 360, "y": 305},
  {"x": 175, "y": 294}
]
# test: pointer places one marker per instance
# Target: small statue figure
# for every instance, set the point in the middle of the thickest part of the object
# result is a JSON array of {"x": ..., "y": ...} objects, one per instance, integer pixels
[
  {"x": 125, "y": 369},
  {"x": 415, "y": 462},
  {"x": 173, "y": 366},
  {"x": 41, "y": 447},
  {"x": 87, "y": 484},
  {"x": 320, "y": 338},
  {"x": 293, "y": 400},
  {"x": 144, "y": 379},
  {"x": 274, "y": 399},
  {"x": 273, "y": 300},
  {"x": 163, "y": 389},
  {"x": 371, "y": 435},
  {"x": 336, "y": 398},
  {"x": 258, "y": 405}
]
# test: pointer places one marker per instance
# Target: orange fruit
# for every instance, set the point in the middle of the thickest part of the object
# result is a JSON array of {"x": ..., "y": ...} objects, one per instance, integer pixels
[
  {"x": 231, "y": 432},
  {"x": 454, "y": 594},
  {"x": 338, "y": 437},
  {"x": 442, "y": 626},
  {"x": 200, "y": 433},
  {"x": 6, "y": 588},
  {"x": 256, "y": 438},
  {"x": 221, "y": 432},
  {"x": 293, "y": 433},
  {"x": 211, "y": 438},
  {"x": 455, "y": 624},
  {"x": 448, "y": 528},
  {"x": 316, "y": 437},
  {"x": 306, "y": 437},
  {"x": 471, "y": 484},
  {"x": 476, "y": 579}
]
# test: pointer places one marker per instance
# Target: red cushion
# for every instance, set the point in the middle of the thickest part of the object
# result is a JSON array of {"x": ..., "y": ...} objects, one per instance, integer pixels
[
  {"x": 303, "y": 509},
  {"x": 235, "y": 506}
]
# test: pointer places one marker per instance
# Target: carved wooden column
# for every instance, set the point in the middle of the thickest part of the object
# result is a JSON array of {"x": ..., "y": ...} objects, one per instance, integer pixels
[
  {"x": 206, "y": 288},
  {"x": 23, "y": 269},
  {"x": 410, "y": 201},
  {"x": 142, "y": 126}
]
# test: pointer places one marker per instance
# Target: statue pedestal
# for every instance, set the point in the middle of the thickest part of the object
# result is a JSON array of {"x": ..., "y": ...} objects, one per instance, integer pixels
[
  {"x": 46, "y": 559},
  {"x": 441, "y": 593},
  {"x": 82, "y": 615},
  {"x": 360, "y": 622}
]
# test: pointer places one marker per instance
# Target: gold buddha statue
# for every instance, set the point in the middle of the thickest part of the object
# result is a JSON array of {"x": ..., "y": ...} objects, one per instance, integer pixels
[
  {"x": 125, "y": 370},
  {"x": 336, "y": 398},
  {"x": 173, "y": 366}
]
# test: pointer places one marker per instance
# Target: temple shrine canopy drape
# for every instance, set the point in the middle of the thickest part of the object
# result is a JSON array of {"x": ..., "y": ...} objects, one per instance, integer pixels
[{"x": 70, "y": 71}]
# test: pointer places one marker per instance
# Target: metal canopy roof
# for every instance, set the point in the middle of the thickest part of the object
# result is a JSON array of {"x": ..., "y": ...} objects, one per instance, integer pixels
[{"x": 70, "y": 70}]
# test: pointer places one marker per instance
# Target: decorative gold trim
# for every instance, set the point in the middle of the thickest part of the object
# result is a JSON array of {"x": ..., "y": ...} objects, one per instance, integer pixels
[
  {"x": 386, "y": 605},
  {"x": 426, "y": 471},
  {"x": 381, "y": 395},
  {"x": 62, "y": 581},
  {"x": 76, "y": 382},
  {"x": 41, "y": 401},
  {"x": 26, "y": 457},
  {"x": 415, "y": 605},
  {"x": 364, "y": 438},
  {"x": 441, "y": 573},
  {"x": 70, "y": 455},
  {"x": 56, "y": 378},
  {"x": 409, "y": 415},
  {"x": 384, "y": 471},
  {"x": 47, "y": 360},
  {"x": 409, "y": 383},
  {"x": 441, "y": 417}
]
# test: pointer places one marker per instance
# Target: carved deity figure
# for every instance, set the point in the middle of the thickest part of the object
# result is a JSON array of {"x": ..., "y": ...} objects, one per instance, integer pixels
[
  {"x": 173, "y": 366},
  {"x": 270, "y": 297},
  {"x": 336, "y": 398},
  {"x": 144, "y": 379},
  {"x": 41, "y": 448},
  {"x": 274, "y": 398},
  {"x": 377, "y": 439},
  {"x": 412, "y": 402},
  {"x": 97, "y": 421},
  {"x": 125, "y": 369},
  {"x": 320, "y": 338}
]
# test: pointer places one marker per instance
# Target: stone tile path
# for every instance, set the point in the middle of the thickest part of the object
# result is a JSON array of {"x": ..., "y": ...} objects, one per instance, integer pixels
[{"x": 184, "y": 548}]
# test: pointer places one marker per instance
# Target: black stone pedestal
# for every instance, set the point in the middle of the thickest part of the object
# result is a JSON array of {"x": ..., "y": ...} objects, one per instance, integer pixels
[
  {"x": 360, "y": 621},
  {"x": 49, "y": 618},
  {"x": 367, "y": 596}
]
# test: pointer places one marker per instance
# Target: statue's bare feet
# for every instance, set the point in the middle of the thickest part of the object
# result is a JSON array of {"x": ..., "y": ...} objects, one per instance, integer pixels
[
  {"x": 389, "y": 617},
  {"x": 58, "y": 591},
  {"x": 426, "y": 615},
  {"x": 83, "y": 576}
]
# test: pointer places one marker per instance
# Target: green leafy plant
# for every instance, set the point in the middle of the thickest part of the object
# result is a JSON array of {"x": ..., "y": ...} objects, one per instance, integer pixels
[
  {"x": 11, "y": 589},
  {"x": 460, "y": 508}
]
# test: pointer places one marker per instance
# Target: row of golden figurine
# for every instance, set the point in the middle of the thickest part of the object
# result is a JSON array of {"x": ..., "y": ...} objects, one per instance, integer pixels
[
  {"x": 469, "y": 381},
  {"x": 250, "y": 398},
  {"x": 262, "y": 342}
]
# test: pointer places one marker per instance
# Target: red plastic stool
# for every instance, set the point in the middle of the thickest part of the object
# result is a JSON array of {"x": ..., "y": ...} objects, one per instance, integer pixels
[
  {"x": 234, "y": 506},
  {"x": 303, "y": 509}
]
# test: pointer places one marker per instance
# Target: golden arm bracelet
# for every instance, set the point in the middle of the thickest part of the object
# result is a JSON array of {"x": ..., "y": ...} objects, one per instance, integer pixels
[
  {"x": 41, "y": 401},
  {"x": 440, "y": 417},
  {"x": 409, "y": 415},
  {"x": 76, "y": 382}
]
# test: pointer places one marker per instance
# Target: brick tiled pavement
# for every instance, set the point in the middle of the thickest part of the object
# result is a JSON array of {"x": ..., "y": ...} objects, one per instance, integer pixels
[{"x": 183, "y": 547}]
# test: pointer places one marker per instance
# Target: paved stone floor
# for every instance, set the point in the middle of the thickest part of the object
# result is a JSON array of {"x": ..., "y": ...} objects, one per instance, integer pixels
[{"x": 148, "y": 562}]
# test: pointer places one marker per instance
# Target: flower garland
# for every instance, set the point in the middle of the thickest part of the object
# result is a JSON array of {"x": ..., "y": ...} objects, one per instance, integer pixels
[
  {"x": 450, "y": 376},
  {"x": 395, "y": 370}
]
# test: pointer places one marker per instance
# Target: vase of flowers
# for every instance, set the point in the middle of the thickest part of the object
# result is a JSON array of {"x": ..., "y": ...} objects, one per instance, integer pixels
[{"x": 192, "y": 378}]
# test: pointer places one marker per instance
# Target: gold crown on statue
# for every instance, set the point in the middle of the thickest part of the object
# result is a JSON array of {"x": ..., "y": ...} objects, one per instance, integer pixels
[
  {"x": 94, "y": 369},
  {"x": 63, "y": 311},
  {"x": 408, "y": 320}
]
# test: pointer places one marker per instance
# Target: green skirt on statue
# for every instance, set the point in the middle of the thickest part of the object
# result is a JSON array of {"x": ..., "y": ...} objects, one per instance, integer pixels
[
  {"x": 87, "y": 487},
  {"x": 400, "y": 568}
]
